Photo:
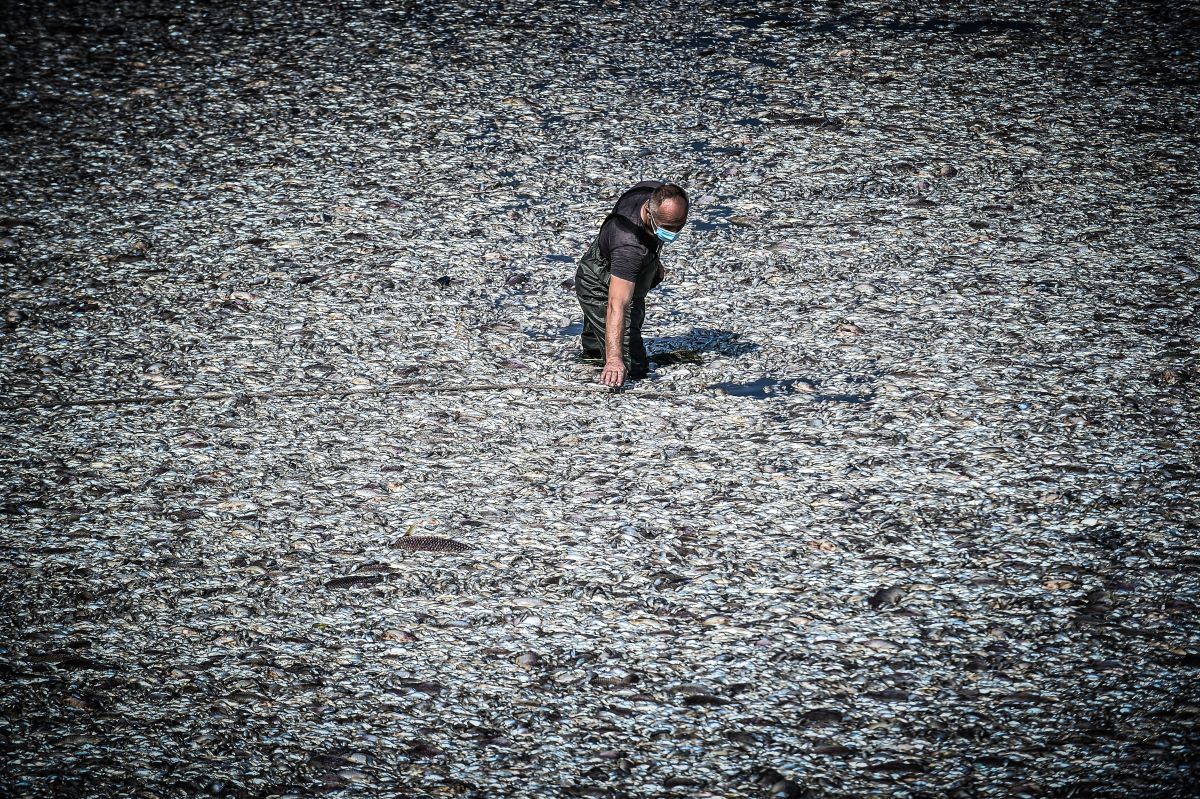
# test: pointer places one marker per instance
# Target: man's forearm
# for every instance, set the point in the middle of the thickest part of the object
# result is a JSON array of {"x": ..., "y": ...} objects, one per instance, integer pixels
[{"x": 614, "y": 332}]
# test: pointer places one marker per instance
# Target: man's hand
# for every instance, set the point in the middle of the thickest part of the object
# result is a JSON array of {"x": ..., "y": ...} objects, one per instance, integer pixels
[{"x": 613, "y": 374}]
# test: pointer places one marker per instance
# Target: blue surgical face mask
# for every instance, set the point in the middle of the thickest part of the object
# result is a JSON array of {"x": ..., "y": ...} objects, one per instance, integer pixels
[{"x": 665, "y": 236}]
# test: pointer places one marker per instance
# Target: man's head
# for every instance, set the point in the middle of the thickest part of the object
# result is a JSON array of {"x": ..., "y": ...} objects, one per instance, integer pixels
[{"x": 667, "y": 209}]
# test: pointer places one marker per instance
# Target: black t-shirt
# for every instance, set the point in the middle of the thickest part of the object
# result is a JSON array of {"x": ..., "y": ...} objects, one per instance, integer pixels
[{"x": 624, "y": 240}]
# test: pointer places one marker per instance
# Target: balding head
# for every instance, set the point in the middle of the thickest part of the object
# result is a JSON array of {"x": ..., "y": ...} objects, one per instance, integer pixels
[
  {"x": 669, "y": 205},
  {"x": 666, "y": 209}
]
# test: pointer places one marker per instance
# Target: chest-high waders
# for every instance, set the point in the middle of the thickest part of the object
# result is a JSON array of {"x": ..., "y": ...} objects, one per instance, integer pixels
[{"x": 591, "y": 286}]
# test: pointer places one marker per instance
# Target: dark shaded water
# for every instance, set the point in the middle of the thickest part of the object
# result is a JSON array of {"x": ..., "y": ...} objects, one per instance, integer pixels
[
  {"x": 767, "y": 387},
  {"x": 763, "y": 387},
  {"x": 676, "y": 357}
]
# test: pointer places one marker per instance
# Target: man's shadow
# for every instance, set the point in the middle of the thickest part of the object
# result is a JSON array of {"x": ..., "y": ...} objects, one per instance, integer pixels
[{"x": 691, "y": 347}]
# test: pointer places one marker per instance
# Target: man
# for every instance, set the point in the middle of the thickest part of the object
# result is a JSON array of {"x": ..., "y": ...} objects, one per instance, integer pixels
[{"x": 617, "y": 272}]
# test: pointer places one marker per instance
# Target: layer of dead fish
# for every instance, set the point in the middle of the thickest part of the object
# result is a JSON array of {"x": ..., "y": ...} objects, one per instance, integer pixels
[{"x": 925, "y": 526}]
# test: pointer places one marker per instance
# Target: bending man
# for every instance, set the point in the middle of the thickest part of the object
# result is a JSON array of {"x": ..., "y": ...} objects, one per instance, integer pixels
[{"x": 617, "y": 272}]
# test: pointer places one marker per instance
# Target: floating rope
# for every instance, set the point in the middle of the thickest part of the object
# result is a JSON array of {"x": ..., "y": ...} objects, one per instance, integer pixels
[{"x": 414, "y": 387}]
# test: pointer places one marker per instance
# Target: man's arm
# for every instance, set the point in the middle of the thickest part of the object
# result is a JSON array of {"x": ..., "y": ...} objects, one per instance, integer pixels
[{"x": 620, "y": 295}]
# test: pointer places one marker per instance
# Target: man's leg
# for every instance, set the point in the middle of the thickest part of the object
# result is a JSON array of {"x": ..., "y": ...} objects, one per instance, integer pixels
[
  {"x": 595, "y": 315},
  {"x": 636, "y": 362},
  {"x": 592, "y": 337}
]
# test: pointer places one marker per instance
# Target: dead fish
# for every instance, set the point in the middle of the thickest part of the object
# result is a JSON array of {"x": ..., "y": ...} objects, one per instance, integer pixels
[
  {"x": 987, "y": 403},
  {"x": 822, "y": 715},
  {"x": 885, "y": 596},
  {"x": 430, "y": 543},
  {"x": 694, "y": 700},
  {"x": 353, "y": 581}
]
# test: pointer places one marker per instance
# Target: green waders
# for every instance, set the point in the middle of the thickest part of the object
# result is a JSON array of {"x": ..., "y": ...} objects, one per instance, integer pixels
[{"x": 591, "y": 287}]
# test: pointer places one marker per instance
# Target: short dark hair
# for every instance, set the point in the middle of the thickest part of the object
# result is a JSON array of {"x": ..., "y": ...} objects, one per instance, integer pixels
[{"x": 668, "y": 191}]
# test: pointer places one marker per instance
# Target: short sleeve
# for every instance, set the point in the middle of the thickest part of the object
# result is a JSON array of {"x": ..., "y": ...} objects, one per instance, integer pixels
[{"x": 626, "y": 261}]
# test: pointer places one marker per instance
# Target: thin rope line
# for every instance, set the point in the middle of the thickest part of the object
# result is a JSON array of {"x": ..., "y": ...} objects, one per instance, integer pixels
[{"x": 414, "y": 387}]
